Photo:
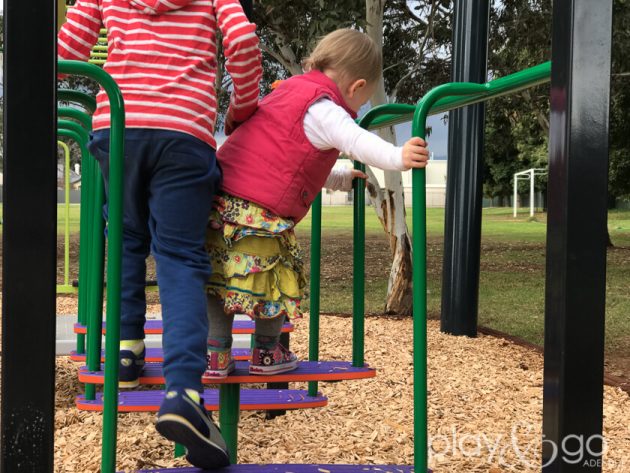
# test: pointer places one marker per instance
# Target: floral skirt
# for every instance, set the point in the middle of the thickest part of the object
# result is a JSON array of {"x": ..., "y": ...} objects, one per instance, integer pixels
[{"x": 257, "y": 267}]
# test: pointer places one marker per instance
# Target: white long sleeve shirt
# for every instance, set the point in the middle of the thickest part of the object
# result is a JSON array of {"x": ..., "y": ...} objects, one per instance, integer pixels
[{"x": 329, "y": 126}]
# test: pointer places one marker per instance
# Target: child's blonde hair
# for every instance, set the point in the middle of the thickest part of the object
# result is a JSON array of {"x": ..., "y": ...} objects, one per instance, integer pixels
[{"x": 352, "y": 55}]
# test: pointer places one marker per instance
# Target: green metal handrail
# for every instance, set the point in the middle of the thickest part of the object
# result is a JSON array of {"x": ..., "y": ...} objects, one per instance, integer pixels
[
  {"x": 393, "y": 114},
  {"x": 68, "y": 112},
  {"x": 91, "y": 247},
  {"x": 68, "y": 95},
  {"x": 114, "y": 250},
  {"x": 92, "y": 243},
  {"x": 440, "y": 99},
  {"x": 86, "y": 209},
  {"x": 314, "y": 299}
]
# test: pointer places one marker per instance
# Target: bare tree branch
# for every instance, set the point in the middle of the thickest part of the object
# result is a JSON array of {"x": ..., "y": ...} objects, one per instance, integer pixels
[
  {"x": 421, "y": 52},
  {"x": 413, "y": 15}
]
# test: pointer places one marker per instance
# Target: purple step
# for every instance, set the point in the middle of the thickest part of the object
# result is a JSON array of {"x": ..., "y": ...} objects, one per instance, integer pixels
[
  {"x": 157, "y": 355},
  {"x": 155, "y": 327},
  {"x": 251, "y": 400},
  {"x": 306, "y": 371},
  {"x": 288, "y": 468}
]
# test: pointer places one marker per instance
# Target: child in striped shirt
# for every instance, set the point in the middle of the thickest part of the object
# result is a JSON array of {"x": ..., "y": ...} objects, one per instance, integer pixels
[{"x": 163, "y": 56}]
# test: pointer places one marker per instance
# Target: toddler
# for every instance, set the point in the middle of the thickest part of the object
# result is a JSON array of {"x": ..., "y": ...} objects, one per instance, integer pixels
[{"x": 274, "y": 165}]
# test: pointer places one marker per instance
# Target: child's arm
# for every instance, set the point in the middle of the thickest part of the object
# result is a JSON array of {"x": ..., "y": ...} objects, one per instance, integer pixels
[
  {"x": 330, "y": 126},
  {"x": 243, "y": 59},
  {"x": 341, "y": 179},
  {"x": 79, "y": 34}
]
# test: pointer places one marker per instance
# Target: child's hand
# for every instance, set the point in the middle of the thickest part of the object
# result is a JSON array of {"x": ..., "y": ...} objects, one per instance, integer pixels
[
  {"x": 356, "y": 173},
  {"x": 230, "y": 124},
  {"x": 415, "y": 153}
]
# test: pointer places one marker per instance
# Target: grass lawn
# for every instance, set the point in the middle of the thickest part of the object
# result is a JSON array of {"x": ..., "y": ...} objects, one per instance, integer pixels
[{"x": 512, "y": 282}]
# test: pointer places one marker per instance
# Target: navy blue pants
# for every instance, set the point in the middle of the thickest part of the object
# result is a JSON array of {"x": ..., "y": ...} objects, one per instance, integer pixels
[{"x": 170, "y": 181}]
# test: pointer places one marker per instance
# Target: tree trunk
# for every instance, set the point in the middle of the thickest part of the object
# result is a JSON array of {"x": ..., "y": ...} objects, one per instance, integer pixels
[{"x": 390, "y": 204}]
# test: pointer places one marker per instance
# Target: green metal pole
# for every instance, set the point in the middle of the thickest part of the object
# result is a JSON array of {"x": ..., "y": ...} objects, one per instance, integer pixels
[
  {"x": 439, "y": 99},
  {"x": 86, "y": 120},
  {"x": 83, "y": 237},
  {"x": 392, "y": 114},
  {"x": 86, "y": 242},
  {"x": 86, "y": 205},
  {"x": 358, "y": 275},
  {"x": 229, "y": 413},
  {"x": 114, "y": 251},
  {"x": 89, "y": 302},
  {"x": 316, "y": 256},
  {"x": 68, "y": 112},
  {"x": 419, "y": 262}
]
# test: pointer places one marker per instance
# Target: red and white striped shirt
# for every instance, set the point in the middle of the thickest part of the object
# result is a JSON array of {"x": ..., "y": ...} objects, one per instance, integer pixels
[{"x": 163, "y": 56}]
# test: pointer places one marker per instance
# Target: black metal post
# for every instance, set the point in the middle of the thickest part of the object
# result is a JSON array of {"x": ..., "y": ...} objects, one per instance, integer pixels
[
  {"x": 29, "y": 237},
  {"x": 576, "y": 250},
  {"x": 248, "y": 8},
  {"x": 462, "y": 234}
]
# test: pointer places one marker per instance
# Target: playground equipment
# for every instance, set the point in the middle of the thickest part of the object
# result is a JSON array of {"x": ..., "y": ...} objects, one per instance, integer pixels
[
  {"x": 576, "y": 285},
  {"x": 445, "y": 97},
  {"x": 530, "y": 175}
]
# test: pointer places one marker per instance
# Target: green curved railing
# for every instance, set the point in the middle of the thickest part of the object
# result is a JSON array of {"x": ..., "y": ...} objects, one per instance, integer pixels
[
  {"x": 92, "y": 245},
  {"x": 68, "y": 95},
  {"x": 68, "y": 112},
  {"x": 88, "y": 173},
  {"x": 114, "y": 249},
  {"x": 440, "y": 99}
]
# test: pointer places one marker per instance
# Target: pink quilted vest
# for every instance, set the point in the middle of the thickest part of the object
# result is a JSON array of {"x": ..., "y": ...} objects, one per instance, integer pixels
[{"x": 269, "y": 160}]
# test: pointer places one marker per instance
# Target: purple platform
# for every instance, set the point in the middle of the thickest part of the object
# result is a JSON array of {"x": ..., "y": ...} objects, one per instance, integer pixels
[
  {"x": 153, "y": 355},
  {"x": 317, "y": 468},
  {"x": 307, "y": 371},
  {"x": 155, "y": 327},
  {"x": 251, "y": 400}
]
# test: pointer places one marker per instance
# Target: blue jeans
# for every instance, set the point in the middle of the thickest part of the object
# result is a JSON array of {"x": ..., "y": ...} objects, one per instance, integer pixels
[{"x": 170, "y": 181}]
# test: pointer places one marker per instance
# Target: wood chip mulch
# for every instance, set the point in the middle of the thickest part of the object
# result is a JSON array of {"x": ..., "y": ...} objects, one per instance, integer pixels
[{"x": 485, "y": 410}]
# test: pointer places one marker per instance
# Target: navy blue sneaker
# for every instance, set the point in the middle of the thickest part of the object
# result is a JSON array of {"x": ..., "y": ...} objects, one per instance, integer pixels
[
  {"x": 130, "y": 367},
  {"x": 184, "y": 421}
]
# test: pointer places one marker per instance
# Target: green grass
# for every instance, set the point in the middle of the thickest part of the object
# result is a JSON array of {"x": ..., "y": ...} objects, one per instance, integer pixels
[{"x": 512, "y": 281}]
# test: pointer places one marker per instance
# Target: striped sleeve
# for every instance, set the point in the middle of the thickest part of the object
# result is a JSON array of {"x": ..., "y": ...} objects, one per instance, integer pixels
[
  {"x": 243, "y": 57},
  {"x": 80, "y": 32}
]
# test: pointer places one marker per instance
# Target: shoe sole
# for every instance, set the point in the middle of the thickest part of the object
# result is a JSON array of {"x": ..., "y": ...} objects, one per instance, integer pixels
[
  {"x": 218, "y": 374},
  {"x": 129, "y": 384},
  {"x": 268, "y": 370},
  {"x": 201, "y": 452}
]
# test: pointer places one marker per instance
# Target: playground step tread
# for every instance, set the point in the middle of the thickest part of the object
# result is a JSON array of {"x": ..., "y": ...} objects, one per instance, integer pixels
[
  {"x": 288, "y": 468},
  {"x": 251, "y": 400},
  {"x": 307, "y": 371},
  {"x": 156, "y": 355},
  {"x": 155, "y": 327}
]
